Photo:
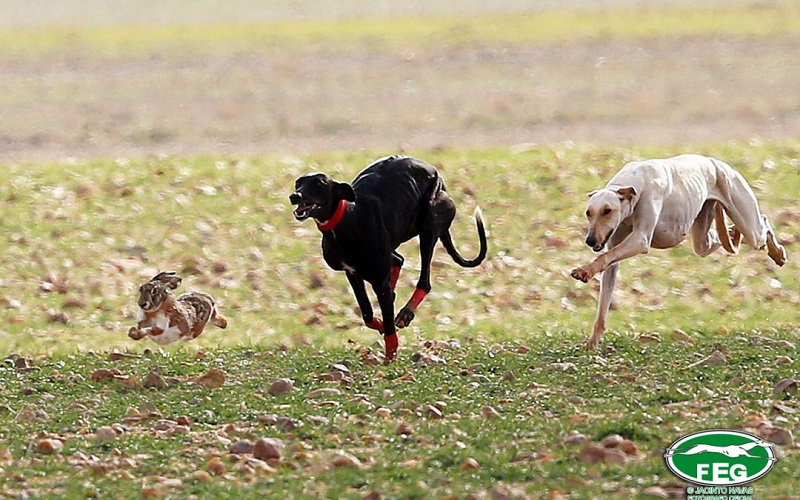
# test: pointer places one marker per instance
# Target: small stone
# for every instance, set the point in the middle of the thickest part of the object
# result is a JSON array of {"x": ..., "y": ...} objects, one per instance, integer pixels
[
  {"x": 524, "y": 456},
  {"x": 778, "y": 435},
  {"x": 489, "y": 412},
  {"x": 164, "y": 424},
  {"x": 339, "y": 367},
  {"x": 404, "y": 429},
  {"x": 267, "y": 448},
  {"x": 682, "y": 336},
  {"x": 206, "y": 476},
  {"x": 105, "y": 433},
  {"x": 592, "y": 454},
  {"x": 782, "y": 360},
  {"x": 151, "y": 491},
  {"x": 49, "y": 446},
  {"x": 154, "y": 381},
  {"x": 615, "y": 456},
  {"x": 576, "y": 438},
  {"x": 470, "y": 464},
  {"x": 318, "y": 420},
  {"x": 288, "y": 423},
  {"x": 268, "y": 420},
  {"x": 628, "y": 447},
  {"x": 717, "y": 359},
  {"x": 216, "y": 467},
  {"x": 787, "y": 385},
  {"x": 611, "y": 441},
  {"x": 242, "y": 447},
  {"x": 23, "y": 364},
  {"x": 214, "y": 379},
  {"x": 325, "y": 392},
  {"x": 655, "y": 491},
  {"x": 280, "y": 386},
  {"x": 431, "y": 411},
  {"x": 346, "y": 460},
  {"x": 103, "y": 374}
]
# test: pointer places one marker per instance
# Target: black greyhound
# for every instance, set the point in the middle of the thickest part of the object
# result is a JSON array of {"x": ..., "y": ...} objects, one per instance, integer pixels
[{"x": 391, "y": 201}]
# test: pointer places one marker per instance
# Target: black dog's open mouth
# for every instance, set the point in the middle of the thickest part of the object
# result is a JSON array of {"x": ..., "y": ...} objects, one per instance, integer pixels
[{"x": 303, "y": 210}]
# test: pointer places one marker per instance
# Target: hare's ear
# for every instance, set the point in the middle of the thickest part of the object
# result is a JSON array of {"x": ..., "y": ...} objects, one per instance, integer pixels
[
  {"x": 169, "y": 278},
  {"x": 343, "y": 191}
]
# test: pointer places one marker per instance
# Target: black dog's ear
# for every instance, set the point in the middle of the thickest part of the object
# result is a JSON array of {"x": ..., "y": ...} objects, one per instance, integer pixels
[{"x": 343, "y": 191}]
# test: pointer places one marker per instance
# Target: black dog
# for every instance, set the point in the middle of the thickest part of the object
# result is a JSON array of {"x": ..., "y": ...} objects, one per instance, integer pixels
[{"x": 391, "y": 201}]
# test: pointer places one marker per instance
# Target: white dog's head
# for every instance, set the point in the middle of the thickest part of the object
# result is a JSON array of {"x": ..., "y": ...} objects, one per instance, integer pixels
[{"x": 606, "y": 210}]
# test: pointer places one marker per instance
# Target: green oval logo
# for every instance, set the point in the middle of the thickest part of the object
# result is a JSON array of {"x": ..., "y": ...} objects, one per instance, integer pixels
[{"x": 720, "y": 457}]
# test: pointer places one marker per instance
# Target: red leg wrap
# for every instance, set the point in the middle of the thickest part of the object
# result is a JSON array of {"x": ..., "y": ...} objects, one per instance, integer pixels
[
  {"x": 416, "y": 298},
  {"x": 394, "y": 276},
  {"x": 391, "y": 343},
  {"x": 375, "y": 324}
]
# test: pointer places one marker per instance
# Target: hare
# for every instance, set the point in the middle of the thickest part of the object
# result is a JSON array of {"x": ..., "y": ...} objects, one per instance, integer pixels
[{"x": 167, "y": 319}]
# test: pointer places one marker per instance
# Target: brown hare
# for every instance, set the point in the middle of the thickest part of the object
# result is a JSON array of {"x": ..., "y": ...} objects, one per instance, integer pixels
[{"x": 167, "y": 319}]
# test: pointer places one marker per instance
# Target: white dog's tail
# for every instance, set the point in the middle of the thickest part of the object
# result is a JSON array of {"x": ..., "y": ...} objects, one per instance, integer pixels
[{"x": 730, "y": 241}]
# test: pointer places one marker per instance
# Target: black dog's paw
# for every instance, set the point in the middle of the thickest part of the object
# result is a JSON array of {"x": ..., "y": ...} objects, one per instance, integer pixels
[{"x": 404, "y": 318}]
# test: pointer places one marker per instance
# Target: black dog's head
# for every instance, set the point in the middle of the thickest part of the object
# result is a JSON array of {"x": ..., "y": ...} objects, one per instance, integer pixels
[{"x": 317, "y": 195}]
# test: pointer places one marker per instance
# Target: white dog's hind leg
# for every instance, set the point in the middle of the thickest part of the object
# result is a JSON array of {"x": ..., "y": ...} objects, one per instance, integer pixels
[
  {"x": 705, "y": 239},
  {"x": 775, "y": 250},
  {"x": 742, "y": 207},
  {"x": 607, "y": 281}
]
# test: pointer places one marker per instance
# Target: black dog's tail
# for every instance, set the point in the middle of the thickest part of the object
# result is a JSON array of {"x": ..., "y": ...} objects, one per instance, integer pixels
[{"x": 447, "y": 241}]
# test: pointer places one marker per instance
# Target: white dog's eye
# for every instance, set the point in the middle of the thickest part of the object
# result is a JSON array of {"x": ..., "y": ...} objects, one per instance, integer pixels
[{"x": 606, "y": 211}]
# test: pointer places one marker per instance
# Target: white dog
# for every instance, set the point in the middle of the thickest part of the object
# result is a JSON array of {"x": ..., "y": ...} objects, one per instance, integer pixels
[{"x": 656, "y": 203}]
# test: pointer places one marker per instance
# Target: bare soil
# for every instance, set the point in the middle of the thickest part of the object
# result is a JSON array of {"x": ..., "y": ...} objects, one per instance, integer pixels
[{"x": 661, "y": 92}]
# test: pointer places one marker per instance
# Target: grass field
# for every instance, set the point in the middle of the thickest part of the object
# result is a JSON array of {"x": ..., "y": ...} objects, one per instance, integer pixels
[
  {"x": 504, "y": 337},
  {"x": 131, "y": 149}
]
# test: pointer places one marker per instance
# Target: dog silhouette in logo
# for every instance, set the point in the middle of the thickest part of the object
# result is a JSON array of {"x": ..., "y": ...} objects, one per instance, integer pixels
[{"x": 733, "y": 450}]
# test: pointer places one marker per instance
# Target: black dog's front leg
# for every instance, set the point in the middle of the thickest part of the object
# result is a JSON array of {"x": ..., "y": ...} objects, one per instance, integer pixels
[
  {"x": 386, "y": 301},
  {"x": 363, "y": 303}
]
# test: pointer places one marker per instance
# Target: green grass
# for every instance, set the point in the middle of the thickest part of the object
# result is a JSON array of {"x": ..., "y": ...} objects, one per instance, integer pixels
[
  {"x": 79, "y": 238},
  {"x": 645, "y": 393},
  {"x": 775, "y": 18}
]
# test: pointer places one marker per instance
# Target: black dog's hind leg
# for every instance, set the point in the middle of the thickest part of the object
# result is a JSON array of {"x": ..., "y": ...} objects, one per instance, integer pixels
[
  {"x": 439, "y": 216},
  {"x": 397, "y": 266},
  {"x": 363, "y": 303}
]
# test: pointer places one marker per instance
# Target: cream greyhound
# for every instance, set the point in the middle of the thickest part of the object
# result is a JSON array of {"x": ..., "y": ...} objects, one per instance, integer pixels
[{"x": 656, "y": 203}]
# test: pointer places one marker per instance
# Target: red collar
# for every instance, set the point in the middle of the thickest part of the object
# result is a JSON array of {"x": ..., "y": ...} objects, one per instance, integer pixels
[{"x": 335, "y": 219}]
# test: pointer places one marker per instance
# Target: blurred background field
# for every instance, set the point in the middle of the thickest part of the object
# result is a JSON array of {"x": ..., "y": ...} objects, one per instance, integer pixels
[{"x": 132, "y": 79}]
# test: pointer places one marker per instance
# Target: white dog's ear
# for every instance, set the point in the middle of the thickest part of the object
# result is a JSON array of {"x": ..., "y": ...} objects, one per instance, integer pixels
[
  {"x": 591, "y": 193},
  {"x": 627, "y": 193}
]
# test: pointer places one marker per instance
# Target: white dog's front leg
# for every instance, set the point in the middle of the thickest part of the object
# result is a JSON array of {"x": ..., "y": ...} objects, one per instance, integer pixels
[
  {"x": 634, "y": 244},
  {"x": 603, "y": 304}
]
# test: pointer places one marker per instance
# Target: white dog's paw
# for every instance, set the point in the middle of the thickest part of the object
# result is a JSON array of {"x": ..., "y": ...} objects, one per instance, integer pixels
[{"x": 582, "y": 274}]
